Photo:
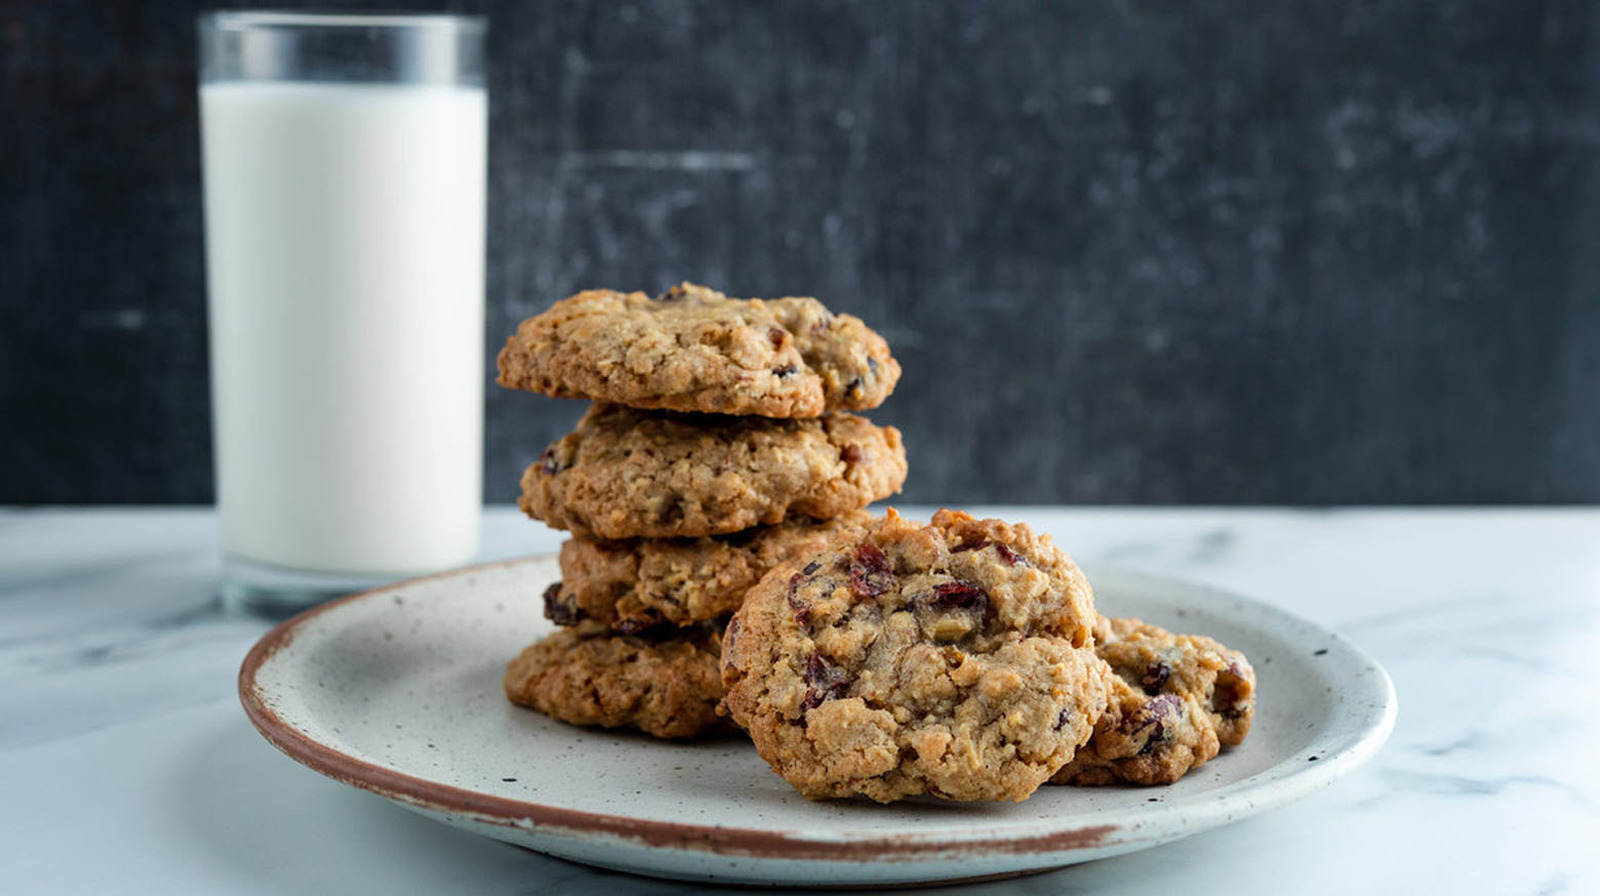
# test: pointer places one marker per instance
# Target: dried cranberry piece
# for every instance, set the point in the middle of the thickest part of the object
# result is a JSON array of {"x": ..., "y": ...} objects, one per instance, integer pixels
[
  {"x": 1152, "y": 715},
  {"x": 548, "y": 463},
  {"x": 824, "y": 681},
  {"x": 870, "y": 572},
  {"x": 777, "y": 335},
  {"x": 850, "y": 454},
  {"x": 1154, "y": 677},
  {"x": 959, "y": 596},
  {"x": 799, "y": 605},
  {"x": 1160, "y": 707},
  {"x": 559, "y": 608},
  {"x": 1005, "y": 552}
]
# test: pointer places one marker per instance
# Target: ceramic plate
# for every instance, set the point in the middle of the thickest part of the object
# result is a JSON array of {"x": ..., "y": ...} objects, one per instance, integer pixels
[{"x": 397, "y": 691}]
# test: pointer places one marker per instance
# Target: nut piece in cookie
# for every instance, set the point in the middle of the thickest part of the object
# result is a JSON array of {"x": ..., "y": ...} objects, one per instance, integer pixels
[
  {"x": 1175, "y": 701},
  {"x": 625, "y": 473},
  {"x": 590, "y": 675},
  {"x": 695, "y": 349},
  {"x": 954, "y": 659},
  {"x": 642, "y": 583}
]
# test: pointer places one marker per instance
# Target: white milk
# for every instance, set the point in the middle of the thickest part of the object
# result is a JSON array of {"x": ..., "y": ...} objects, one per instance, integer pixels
[{"x": 345, "y": 238}]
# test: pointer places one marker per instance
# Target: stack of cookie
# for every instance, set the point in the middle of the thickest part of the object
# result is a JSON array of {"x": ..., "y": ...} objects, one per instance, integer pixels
[{"x": 720, "y": 445}]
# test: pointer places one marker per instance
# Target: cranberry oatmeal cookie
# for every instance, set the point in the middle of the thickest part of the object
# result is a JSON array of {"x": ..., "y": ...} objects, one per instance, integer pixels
[
  {"x": 954, "y": 659},
  {"x": 591, "y": 675},
  {"x": 642, "y": 583},
  {"x": 627, "y": 473},
  {"x": 695, "y": 349},
  {"x": 1175, "y": 700}
]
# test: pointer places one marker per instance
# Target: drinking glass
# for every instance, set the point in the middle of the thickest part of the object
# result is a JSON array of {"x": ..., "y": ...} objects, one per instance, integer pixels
[{"x": 344, "y": 166}]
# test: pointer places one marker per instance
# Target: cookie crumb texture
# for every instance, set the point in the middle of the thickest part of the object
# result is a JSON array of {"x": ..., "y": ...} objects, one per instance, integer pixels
[
  {"x": 954, "y": 659},
  {"x": 625, "y": 473},
  {"x": 644, "y": 583},
  {"x": 590, "y": 675},
  {"x": 1175, "y": 701},
  {"x": 695, "y": 349}
]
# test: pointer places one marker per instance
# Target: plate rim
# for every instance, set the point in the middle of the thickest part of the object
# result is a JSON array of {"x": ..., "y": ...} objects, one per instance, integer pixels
[{"x": 772, "y": 844}]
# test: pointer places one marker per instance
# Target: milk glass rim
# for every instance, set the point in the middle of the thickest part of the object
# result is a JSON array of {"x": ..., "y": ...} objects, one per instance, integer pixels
[
  {"x": 241, "y": 19},
  {"x": 275, "y": 46}
]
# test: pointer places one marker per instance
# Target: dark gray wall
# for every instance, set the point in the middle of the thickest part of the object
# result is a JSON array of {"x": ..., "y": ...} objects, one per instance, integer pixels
[{"x": 1303, "y": 252}]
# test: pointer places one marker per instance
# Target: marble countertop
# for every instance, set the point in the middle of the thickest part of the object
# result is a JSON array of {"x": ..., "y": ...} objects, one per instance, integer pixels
[{"x": 127, "y": 765}]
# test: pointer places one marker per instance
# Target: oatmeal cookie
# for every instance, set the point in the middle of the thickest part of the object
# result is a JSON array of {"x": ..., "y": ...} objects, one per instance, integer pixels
[
  {"x": 1175, "y": 701},
  {"x": 627, "y": 473},
  {"x": 643, "y": 583},
  {"x": 695, "y": 349},
  {"x": 590, "y": 675},
  {"x": 954, "y": 659}
]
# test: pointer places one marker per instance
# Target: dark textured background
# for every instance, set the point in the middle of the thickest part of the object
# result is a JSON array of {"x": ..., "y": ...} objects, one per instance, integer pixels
[{"x": 1216, "y": 252}]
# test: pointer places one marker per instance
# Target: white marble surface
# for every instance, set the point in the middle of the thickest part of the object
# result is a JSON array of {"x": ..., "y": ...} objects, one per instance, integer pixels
[{"x": 127, "y": 766}]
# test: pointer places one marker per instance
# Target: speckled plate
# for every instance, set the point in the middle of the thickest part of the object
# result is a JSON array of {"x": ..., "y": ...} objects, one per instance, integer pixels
[{"x": 397, "y": 691}]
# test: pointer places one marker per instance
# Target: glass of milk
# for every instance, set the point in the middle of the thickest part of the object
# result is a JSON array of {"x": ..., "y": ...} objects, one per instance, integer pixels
[{"x": 344, "y": 164}]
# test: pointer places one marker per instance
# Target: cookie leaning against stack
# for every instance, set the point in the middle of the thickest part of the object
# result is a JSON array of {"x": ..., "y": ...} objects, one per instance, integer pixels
[
  {"x": 719, "y": 446},
  {"x": 955, "y": 659}
]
